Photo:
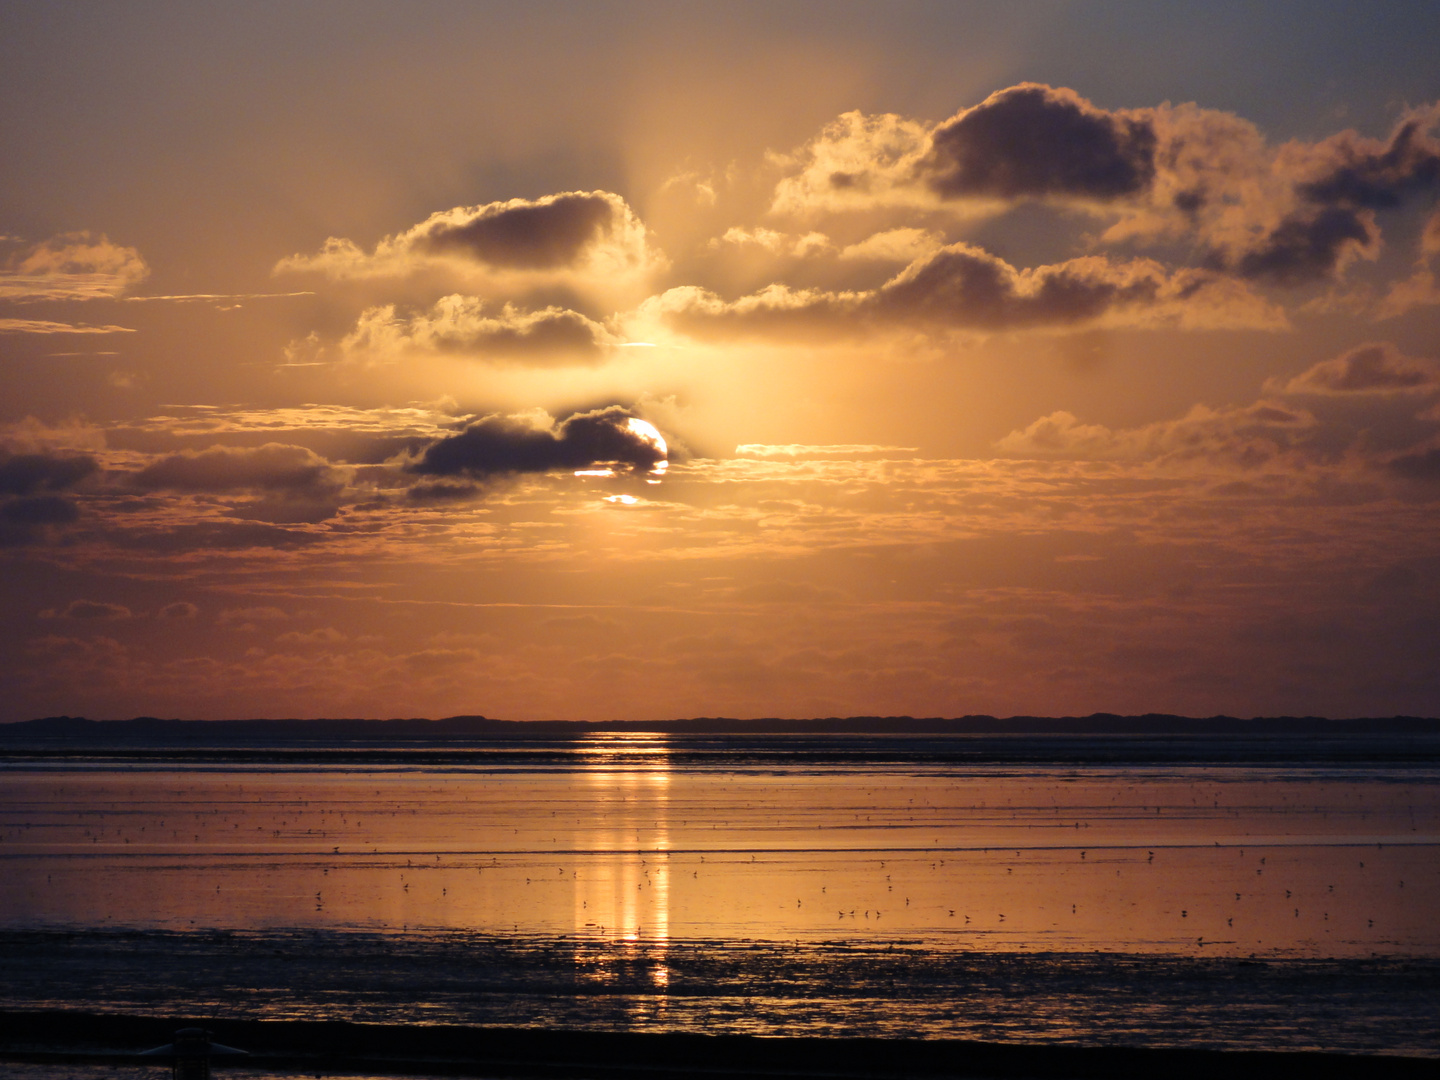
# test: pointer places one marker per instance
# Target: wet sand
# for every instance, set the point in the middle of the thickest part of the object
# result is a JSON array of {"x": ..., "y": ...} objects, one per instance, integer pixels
[{"x": 838, "y": 988}]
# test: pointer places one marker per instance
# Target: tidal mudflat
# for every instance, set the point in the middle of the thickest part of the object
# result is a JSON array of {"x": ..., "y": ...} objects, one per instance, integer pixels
[{"x": 889, "y": 887}]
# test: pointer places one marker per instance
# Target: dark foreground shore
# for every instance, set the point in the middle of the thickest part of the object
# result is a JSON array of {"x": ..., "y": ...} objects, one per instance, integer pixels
[{"x": 318, "y": 1048}]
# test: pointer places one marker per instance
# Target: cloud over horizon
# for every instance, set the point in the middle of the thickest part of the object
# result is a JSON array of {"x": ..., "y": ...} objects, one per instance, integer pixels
[{"x": 1360, "y": 411}]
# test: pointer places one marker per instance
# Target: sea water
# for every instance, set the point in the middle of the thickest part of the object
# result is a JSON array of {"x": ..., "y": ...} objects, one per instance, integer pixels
[{"x": 1100, "y": 891}]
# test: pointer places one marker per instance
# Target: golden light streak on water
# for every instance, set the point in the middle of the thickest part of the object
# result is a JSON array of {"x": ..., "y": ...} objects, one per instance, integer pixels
[{"x": 623, "y": 892}]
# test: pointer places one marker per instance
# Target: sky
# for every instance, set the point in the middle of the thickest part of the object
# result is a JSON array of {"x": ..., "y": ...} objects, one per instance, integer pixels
[{"x": 631, "y": 360}]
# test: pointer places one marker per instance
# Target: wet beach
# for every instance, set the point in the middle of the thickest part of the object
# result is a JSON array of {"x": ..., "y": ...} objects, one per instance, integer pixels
[{"x": 1116, "y": 891}]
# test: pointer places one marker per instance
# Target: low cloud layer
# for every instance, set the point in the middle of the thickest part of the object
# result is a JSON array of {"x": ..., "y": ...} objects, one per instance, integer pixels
[
  {"x": 274, "y": 482},
  {"x": 272, "y": 467},
  {"x": 1245, "y": 436},
  {"x": 1363, "y": 411}
]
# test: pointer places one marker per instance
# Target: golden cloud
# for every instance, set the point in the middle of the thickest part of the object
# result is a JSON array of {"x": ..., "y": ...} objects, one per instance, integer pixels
[
  {"x": 961, "y": 287},
  {"x": 1290, "y": 215},
  {"x": 1247, "y": 436},
  {"x": 48, "y": 326},
  {"x": 72, "y": 266},
  {"x": 587, "y": 239},
  {"x": 467, "y": 326}
]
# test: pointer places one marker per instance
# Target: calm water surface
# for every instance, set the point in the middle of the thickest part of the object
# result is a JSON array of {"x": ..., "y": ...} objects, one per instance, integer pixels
[{"x": 639, "y": 882}]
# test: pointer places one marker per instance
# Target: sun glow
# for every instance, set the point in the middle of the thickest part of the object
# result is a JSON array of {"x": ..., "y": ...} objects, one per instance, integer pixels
[{"x": 649, "y": 433}]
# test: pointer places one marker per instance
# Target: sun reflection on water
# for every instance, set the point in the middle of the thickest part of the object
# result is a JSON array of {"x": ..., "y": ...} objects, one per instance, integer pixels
[{"x": 624, "y": 892}]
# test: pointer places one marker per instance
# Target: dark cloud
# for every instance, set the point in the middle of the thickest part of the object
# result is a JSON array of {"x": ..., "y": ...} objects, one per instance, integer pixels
[
  {"x": 181, "y": 609},
  {"x": 1378, "y": 177},
  {"x": 967, "y": 287},
  {"x": 551, "y": 233},
  {"x": 1376, "y": 367},
  {"x": 39, "y": 510},
  {"x": 89, "y": 609},
  {"x": 25, "y": 474},
  {"x": 1033, "y": 140},
  {"x": 31, "y": 481},
  {"x": 500, "y": 444},
  {"x": 1421, "y": 465},
  {"x": 1309, "y": 245},
  {"x": 1336, "y": 186},
  {"x": 272, "y": 467},
  {"x": 579, "y": 237},
  {"x": 442, "y": 492}
]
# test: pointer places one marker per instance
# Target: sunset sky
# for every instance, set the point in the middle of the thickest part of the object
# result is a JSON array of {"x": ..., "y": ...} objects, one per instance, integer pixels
[{"x": 649, "y": 360}]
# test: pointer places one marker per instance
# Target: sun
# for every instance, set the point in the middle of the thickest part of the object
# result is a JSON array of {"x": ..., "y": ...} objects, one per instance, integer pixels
[{"x": 647, "y": 431}]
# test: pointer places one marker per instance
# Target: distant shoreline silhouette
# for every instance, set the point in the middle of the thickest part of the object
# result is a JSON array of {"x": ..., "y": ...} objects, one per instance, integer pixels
[{"x": 475, "y": 726}]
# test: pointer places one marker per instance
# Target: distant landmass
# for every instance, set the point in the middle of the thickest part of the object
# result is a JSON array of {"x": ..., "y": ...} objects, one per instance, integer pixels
[{"x": 454, "y": 728}]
